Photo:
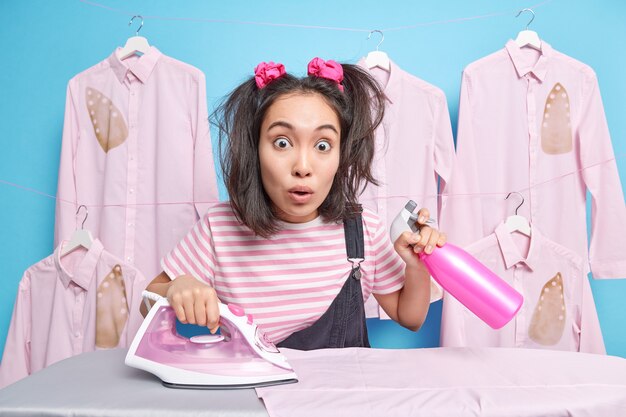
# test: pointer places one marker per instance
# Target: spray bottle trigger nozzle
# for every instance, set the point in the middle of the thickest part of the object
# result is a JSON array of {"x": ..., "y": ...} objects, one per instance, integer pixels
[{"x": 410, "y": 206}]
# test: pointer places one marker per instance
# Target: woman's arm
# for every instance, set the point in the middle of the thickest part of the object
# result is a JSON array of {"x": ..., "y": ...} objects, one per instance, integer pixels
[{"x": 409, "y": 305}]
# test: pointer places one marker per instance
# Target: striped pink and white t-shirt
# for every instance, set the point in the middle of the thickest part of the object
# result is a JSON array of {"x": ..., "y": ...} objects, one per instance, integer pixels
[{"x": 289, "y": 280}]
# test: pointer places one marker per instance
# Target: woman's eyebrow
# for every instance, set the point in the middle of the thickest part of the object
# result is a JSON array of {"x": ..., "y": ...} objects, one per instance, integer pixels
[
  {"x": 328, "y": 126},
  {"x": 280, "y": 123}
]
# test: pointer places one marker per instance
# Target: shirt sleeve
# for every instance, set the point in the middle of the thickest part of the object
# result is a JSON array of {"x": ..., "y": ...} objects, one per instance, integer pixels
[
  {"x": 591, "y": 340},
  {"x": 135, "y": 283},
  {"x": 204, "y": 179},
  {"x": 194, "y": 255},
  {"x": 608, "y": 213},
  {"x": 460, "y": 202},
  {"x": 443, "y": 149},
  {"x": 16, "y": 358},
  {"x": 65, "y": 216}
]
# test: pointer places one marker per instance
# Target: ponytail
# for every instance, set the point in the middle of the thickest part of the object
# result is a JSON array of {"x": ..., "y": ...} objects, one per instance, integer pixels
[{"x": 364, "y": 112}]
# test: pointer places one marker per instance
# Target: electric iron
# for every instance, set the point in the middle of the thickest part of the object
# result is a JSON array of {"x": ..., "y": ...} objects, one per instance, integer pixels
[{"x": 240, "y": 357}]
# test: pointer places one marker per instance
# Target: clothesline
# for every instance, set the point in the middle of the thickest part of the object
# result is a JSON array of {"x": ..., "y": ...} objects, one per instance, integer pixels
[
  {"x": 482, "y": 195},
  {"x": 317, "y": 27}
]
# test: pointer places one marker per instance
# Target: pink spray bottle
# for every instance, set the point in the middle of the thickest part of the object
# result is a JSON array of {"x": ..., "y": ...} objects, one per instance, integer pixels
[{"x": 492, "y": 299}]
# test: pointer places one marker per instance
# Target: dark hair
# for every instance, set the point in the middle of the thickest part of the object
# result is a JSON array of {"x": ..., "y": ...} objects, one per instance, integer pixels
[{"x": 360, "y": 109}]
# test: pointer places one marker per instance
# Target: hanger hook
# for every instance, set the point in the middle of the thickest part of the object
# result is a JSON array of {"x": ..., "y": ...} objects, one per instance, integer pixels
[
  {"x": 141, "y": 25},
  {"x": 520, "y": 204},
  {"x": 82, "y": 226},
  {"x": 381, "y": 34},
  {"x": 531, "y": 19}
]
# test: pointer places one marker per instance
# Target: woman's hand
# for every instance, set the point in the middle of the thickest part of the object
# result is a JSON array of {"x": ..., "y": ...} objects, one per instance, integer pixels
[
  {"x": 194, "y": 302},
  {"x": 426, "y": 240}
]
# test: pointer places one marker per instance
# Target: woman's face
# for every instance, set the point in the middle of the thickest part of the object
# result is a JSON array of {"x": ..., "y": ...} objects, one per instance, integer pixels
[{"x": 299, "y": 154}]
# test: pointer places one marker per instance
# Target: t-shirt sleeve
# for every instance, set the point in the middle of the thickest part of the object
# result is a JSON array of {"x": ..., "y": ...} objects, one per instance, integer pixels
[
  {"x": 194, "y": 255},
  {"x": 389, "y": 266}
]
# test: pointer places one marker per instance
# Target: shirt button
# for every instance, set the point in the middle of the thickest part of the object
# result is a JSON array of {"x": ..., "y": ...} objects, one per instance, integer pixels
[
  {"x": 130, "y": 225},
  {"x": 129, "y": 259},
  {"x": 132, "y": 190},
  {"x": 77, "y": 334}
]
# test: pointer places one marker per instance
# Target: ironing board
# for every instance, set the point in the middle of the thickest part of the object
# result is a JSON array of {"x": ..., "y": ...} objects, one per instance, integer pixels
[
  {"x": 100, "y": 384},
  {"x": 352, "y": 381}
]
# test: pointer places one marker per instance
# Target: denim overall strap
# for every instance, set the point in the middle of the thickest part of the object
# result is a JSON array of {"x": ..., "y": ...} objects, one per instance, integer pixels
[{"x": 343, "y": 324}]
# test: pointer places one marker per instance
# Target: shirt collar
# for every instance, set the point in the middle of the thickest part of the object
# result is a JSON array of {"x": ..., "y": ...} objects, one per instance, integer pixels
[
  {"x": 511, "y": 253},
  {"x": 524, "y": 64},
  {"x": 84, "y": 271},
  {"x": 394, "y": 73},
  {"x": 141, "y": 67}
]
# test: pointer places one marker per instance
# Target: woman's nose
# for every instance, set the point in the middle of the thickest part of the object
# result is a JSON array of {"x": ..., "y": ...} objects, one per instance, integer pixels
[{"x": 302, "y": 164}]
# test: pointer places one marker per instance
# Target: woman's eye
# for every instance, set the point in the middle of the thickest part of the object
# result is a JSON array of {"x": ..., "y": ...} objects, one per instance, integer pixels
[
  {"x": 323, "y": 146},
  {"x": 282, "y": 143}
]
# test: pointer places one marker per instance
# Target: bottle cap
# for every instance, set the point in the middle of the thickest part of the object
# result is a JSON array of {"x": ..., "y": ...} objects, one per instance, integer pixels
[{"x": 410, "y": 205}]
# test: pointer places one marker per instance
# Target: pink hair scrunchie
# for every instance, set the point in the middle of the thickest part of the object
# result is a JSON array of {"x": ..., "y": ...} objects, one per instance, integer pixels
[
  {"x": 331, "y": 70},
  {"x": 266, "y": 72}
]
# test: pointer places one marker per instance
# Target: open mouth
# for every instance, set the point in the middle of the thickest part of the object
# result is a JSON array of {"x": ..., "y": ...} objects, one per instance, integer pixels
[{"x": 300, "y": 194}]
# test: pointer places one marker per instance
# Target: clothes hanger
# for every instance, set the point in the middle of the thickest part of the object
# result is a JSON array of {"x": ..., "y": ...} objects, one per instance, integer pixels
[
  {"x": 377, "y": 58},
  {"x": 528, "y": 37},
  {"x": 135, "y": 45},
  {"x": 517, "y": 223},
  {"x": 81, "y": 237}
]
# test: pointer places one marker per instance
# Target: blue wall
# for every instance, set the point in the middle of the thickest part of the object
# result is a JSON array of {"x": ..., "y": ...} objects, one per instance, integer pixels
[{"x": 44, "y": 43}]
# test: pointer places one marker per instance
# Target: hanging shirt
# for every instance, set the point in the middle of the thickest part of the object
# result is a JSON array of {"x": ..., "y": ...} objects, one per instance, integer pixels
[
  {"x": 414, "y": 151},
  {"x": 533, "y": 122},
  {"x": 289, "y": 280},
  {"x": 137, "y": 152},
  {"x": 414, "y": 145},
  {"x": 558, "y": 312},
  {"x": 85, "y": 300}
]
